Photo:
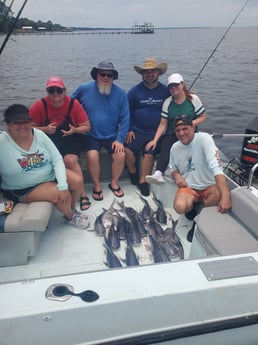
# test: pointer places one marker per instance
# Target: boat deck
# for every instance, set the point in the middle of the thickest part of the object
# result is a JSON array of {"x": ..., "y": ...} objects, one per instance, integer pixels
[{"x": 66, "y": 250}]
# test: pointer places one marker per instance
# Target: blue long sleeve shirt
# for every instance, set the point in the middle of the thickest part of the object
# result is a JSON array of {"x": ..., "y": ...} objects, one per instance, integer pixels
[{"x": 108, "y": 115}]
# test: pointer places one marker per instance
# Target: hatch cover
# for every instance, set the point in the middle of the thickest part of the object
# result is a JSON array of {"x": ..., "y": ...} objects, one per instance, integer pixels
[{"x": 229, "y": 268}]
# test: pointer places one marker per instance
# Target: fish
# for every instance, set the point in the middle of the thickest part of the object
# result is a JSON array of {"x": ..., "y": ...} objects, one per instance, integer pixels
[
  {"x": 146, "y": 211},
  {"x": 112, "y": 259},
  {"x": 131, "y": 257},
  {"x": 159, "y": 254},
  {"x": 172, "y": 237},
  {"x": 99, "y": 227},
  {"x": 112, "y": 238},
  {"x": 160, "y": 213}
]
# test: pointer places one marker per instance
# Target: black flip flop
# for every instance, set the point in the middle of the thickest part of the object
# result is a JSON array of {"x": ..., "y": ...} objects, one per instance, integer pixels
[
  {"x": 84, "y": 201},
  {"x": 115, "y": 190},
  {"x": 99, "y": 193}
]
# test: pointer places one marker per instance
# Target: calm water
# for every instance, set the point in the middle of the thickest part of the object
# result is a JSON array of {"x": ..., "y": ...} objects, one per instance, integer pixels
[{"x": 228, "y": 86}]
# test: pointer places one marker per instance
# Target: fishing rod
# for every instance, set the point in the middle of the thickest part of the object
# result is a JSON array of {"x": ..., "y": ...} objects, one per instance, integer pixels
[
  {"x": 218, "y": 44},
  {"x": 12, "y": 27}
]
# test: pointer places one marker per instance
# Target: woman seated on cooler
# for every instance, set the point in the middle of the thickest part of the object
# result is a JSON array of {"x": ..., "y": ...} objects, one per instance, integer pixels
[{"x": 32, "y": 168}]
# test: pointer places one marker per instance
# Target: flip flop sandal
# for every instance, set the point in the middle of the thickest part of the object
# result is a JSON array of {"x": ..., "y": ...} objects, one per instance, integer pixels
[
  {"x": 116, "y": 190},
  {"x": 99, "y": 193},
  {"x": 84, "y": 203}
]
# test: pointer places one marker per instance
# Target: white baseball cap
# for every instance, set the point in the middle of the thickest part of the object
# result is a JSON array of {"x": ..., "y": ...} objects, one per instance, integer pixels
[{"x": 175, "y": 78}]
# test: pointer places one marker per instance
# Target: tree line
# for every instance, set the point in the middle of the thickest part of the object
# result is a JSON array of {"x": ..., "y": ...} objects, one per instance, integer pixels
[{"x": 7, "y": 19}]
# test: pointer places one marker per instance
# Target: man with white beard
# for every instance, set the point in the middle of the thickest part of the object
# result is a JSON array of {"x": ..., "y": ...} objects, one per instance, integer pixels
[{"x": 107, "y": 107}]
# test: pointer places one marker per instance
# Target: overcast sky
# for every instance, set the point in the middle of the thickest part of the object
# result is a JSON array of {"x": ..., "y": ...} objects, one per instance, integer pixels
[{"x": 125, "y": 13}]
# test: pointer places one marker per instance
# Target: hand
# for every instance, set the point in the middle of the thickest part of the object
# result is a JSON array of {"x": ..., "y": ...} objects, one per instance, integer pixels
[
  {"x": 118, "y": 147},
  {"x": 51, "y": 128},
  {"x": 224, "y": 204},
  {"x": 180, "y": 181},
  {"x": 130, "y": 137},
  {"x": 151, "y": 145},
  {"x": 71, "y": 130},
  {"x": 63, "y": 197}
]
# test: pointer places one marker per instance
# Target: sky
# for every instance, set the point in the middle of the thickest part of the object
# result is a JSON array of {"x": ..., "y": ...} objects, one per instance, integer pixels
[{"x": 125, "y": 13}]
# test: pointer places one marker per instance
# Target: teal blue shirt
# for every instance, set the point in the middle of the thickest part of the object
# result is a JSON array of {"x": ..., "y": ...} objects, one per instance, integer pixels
[{"x": 20, "y": 169}]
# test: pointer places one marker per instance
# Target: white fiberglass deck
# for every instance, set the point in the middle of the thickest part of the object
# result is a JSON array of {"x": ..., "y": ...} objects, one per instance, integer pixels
[{"x": 67, "y": 250}]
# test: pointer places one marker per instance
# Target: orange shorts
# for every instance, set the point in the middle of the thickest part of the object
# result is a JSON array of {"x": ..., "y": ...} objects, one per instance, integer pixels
[{"x": 197, "y": 194}]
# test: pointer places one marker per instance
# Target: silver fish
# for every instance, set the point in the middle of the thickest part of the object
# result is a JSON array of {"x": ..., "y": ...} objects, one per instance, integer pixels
[{"x": 160, "y": 213}]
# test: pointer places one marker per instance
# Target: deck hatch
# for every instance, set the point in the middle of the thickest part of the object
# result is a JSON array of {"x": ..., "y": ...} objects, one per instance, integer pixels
[{"x": 229, "y": 268}]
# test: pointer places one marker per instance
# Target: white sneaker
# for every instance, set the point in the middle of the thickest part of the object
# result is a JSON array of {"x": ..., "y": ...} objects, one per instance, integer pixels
[
  {"x": 155, "y": 178},
  {"x": 78, "y": 220}
]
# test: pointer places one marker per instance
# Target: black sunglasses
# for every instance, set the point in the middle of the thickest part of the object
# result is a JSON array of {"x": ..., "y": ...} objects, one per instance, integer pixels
[
  {"x": 173, "y": 85},
  {"x": 103, "y": 75},
  {"x": 54, "y": 89}
]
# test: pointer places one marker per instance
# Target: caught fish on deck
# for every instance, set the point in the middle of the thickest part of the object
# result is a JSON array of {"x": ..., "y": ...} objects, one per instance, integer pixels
[
  {"x": 112, "y": 259},
  {"x": 172, "y": 237},
  {"x": 160, "y": 213}
]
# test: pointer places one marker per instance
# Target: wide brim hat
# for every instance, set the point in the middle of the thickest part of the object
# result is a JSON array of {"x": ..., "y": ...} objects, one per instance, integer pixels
[
  {"x": 151, "y": 63},
  {"x": 104, "y": 66}
]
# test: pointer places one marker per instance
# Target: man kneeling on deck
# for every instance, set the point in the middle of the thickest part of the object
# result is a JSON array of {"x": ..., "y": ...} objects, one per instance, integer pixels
[{"x": 197, "y": 171}]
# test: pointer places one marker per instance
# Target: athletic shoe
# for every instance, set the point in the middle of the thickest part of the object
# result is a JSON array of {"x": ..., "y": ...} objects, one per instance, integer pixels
[
  {"x": 78, "y": 220},
  {"x": 155, "y": 178},
  {"x": 144, "y": 188}
]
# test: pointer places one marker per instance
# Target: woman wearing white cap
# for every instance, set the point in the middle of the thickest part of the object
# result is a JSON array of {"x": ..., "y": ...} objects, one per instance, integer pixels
[{"x": 181, "y": 101}]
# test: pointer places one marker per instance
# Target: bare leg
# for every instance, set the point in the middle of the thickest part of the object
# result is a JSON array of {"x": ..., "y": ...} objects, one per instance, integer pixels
[
  {"x": 75, "y": 183},
  {"x": 212, "y": 196},
  {"x": 118, "y": 165},
  {"x": 147, "y": 163},
  {"x": 183, "y": 203},
  {"x": 71, "y": 162},
  {"x": 130, "y": 160},
  {"x": 48, "y": 192}
]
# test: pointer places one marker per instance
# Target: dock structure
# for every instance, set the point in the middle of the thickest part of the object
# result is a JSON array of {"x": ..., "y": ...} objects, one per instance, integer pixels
[{"x": 145, "y": 28}]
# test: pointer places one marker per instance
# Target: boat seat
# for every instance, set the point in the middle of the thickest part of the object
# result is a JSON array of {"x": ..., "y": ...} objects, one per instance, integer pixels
[
  {"x": 234, "y": 232},
  {"x": 21, "y": 230}
]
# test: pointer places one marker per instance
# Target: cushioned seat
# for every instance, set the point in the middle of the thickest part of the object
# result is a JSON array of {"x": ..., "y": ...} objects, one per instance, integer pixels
[
  {"x": 22, "y": 230},
  {"x": 234, "y": 232}
]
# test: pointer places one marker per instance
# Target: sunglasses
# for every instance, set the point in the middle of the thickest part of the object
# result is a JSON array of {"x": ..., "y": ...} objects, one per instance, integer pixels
[
  {"x": 174, "y": 85},
  {"x": 20, "y": 122},
  {"x": 108, "y": 75},
  {"x": 54, "y": 89}
]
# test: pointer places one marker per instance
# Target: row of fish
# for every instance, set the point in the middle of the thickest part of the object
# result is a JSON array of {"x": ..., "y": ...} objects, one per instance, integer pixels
[{"x": 124, "y": 228}]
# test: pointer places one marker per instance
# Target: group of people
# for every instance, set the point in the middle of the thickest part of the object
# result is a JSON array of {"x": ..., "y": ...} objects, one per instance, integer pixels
[{"x": 145, "y": 122}]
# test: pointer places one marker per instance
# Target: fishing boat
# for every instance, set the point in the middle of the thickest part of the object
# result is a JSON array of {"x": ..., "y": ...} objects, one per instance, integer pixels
[{"x": 59, "y": 285}]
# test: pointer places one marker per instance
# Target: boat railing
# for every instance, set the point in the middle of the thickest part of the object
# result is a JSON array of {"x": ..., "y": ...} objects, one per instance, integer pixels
[{"x": 251, "y": 174}]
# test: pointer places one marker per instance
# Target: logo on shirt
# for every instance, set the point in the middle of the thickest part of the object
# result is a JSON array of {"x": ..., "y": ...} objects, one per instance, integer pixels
[
  {"x": 190, "y": 166},
  {"x": 31, "y": 161},
  {"x": 151, "y": 101}
]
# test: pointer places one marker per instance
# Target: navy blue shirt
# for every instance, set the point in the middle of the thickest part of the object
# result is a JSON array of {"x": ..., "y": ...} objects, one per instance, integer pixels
[{"x": 145, "y": 107}]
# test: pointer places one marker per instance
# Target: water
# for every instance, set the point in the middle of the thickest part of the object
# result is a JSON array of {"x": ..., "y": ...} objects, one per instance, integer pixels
[{"x": 228, "y": 86}]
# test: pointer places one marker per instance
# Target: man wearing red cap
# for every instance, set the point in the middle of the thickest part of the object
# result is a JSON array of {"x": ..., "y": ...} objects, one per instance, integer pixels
[{"x": 64, "y": 120}]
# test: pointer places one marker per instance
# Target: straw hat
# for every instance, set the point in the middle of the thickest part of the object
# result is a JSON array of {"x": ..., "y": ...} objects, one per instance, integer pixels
[{"x": 151, "y": 63}]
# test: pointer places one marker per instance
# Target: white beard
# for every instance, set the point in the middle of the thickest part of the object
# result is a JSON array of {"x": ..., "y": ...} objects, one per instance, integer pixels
[{"x": 105, "y": 89}]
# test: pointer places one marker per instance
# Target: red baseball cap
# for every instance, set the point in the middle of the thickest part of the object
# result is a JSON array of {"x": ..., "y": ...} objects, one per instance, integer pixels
[{"x": 55, "y": 81}]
